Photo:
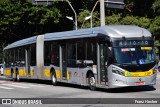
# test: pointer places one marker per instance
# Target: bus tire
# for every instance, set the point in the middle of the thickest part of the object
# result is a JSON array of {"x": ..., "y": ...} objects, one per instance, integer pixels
[
  {"x": 17, "y": 78},
  {"x": 13, "y": 79},
  {"x": 92, "y": 82},
  {"x": 53, "y": 78},
  {"x": 12, "y": 75},
  {"x": 17, "y": 75}
]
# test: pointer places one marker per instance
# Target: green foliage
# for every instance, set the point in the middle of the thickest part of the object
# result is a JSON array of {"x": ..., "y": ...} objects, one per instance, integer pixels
[
  {"x": 87, "y": 23},
  {"x": 144, "y": 22},
  {"x": 157, "y": 44},
  {"x": 82, "y": 15},
  {"x": 113, "y": 20},
  {"x": 130, "y": 20},
  {"x": 20, "y": 19},
  {"x": 155, "y": 25},
  {"x": 156, "y": 7}
]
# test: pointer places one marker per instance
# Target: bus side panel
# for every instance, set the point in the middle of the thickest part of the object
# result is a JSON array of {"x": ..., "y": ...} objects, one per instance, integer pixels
[
  {"x": 77, "y": 75},
  {"x": 40, "y": 56},
  {"x": 73, "y": 75},
  {"x": 7, "y": 72},
  {"x": 47, "y": 72},
  {"x": 23, "y": 73}
]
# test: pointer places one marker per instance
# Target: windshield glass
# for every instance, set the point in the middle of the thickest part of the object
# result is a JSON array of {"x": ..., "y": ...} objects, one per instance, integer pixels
[{"x": 136, "y": 55}]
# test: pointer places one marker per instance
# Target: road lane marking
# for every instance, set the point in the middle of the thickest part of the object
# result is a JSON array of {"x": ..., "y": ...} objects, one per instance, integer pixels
[
  {"x": 8, "y": 88},
  {"x": 31, "y": 85},
  {"x": 1, "y": 82},
  {"x": 9, "y": 84},
  {"x": 12, "y": 85}
]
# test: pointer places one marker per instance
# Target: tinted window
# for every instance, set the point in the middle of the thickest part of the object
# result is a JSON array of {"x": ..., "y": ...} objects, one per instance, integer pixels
[
  {"x": 47, "y": 53},
  {"x": 71, "y": 54},
  {"x": 55, "y": 53},
  {"x": 33, "y": 55}
]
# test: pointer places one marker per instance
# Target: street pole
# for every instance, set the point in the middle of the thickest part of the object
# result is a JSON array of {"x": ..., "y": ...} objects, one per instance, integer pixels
[
  {"x": 102, "y": 13},
  {"x": 74, "y": 14},
  {"x": 92, "y": 13}
]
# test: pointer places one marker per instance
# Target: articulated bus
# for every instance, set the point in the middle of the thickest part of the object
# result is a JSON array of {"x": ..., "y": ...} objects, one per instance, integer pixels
[{"x": 104, "y": 57}]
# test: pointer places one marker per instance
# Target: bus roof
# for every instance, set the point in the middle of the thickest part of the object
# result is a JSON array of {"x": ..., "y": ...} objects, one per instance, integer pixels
[
  {"x": 22, "y": 42},
  {"x": 112, "y": 31}
]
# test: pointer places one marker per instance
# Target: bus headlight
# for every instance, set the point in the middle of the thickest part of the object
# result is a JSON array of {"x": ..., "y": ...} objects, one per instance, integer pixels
[{"x": 117, "y": 71}]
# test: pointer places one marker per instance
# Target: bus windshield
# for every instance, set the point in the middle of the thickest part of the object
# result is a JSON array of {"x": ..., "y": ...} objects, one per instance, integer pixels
[{"x": 137, "y": 55}]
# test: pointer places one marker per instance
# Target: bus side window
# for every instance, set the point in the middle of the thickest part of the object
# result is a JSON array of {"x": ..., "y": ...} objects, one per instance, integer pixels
[
  {"x": 80, "y": 52},
  {"x": 109, "y": 56},
  {"x": 33, "y": 55},
  {"x": 90, "y": 53},
  {"x": 55, "y": 53},
  {"x": 71, "y": 54},
  {"x": 47, "y": 59},
  {"x": 12, "y": 57}
]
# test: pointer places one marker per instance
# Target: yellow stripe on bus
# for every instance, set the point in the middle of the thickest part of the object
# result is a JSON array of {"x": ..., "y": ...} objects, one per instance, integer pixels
[
  {"x": 58, "y": 75},
  {"x": 22, "y": 72},
  {"x": 7, "y": 72},
  {"x": 31, "y": 72},
  {"x": 68, "y": 75},
  {"x": 47, "y": 72},
  {"x": 138, "y": 74}
]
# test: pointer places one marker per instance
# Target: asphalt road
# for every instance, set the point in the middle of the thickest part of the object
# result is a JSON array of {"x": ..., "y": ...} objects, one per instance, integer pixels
[{"x": 36, "y": 89}]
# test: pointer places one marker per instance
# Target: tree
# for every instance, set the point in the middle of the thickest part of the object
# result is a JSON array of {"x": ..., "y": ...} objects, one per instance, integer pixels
[
  {"x": 113, "y": 20},
  {"x": 21, "y": 19},
  {"x": 87, "y": 23},
  {"x": 155, "y": 27},
  {"x": 156, "y": 7}
]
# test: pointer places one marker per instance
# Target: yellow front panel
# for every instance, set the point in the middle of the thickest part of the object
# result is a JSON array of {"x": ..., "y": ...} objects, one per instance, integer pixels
[
  {"x": 58, "y": 74},
  {"x": 7, "y": 72},
  {"x": 47, "y": 72},
  {"x": 146, "y": 48},
  {"x": 139, "y": 74}
]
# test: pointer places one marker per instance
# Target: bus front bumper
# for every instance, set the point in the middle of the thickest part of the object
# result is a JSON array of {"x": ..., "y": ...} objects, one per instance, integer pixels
[{"x": 122, "y": 81}]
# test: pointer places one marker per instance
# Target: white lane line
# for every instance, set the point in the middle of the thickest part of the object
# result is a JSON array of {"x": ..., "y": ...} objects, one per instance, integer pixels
[
  {"x": 8, "y": 88},
  {"x": 12, "y": 85},
  {"x": 4, "y": 81},
  {"x": 20, "y": 83},
  {"x": 30, "y": 85}
]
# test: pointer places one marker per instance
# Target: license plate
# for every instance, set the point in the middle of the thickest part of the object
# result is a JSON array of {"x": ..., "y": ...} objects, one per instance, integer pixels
[{"x": 139, "y": 83}]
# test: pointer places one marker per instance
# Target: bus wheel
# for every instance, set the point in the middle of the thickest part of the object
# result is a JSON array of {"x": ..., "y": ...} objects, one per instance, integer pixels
[
  {"x": 13, "y": 79},
  {"x": 17, "y": 77},
  {"x": 92, "y": 82},
  {"x": 53, "y": 78}
]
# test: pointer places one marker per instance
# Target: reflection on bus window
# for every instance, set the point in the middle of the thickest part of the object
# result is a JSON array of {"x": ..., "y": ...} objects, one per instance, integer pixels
[{"x": 134, "y": 55}]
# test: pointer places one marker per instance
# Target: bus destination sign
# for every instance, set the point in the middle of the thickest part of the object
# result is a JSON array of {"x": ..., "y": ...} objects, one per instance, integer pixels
[{"x": 122, "y": 43}]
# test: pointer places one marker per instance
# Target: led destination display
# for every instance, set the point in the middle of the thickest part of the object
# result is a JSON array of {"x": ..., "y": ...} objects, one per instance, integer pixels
[{"x": 122, "y": 43}]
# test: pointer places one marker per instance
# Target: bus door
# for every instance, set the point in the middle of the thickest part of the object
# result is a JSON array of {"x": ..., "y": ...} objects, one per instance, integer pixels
[
  {"x": 103, "y": 63},
  {"x": 27, "y": 61},
  {"x": 63, "y": 63}
]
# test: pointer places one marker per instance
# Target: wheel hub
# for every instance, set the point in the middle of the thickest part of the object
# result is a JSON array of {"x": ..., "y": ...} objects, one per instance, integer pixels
[{"x": 92, "y": 81}]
